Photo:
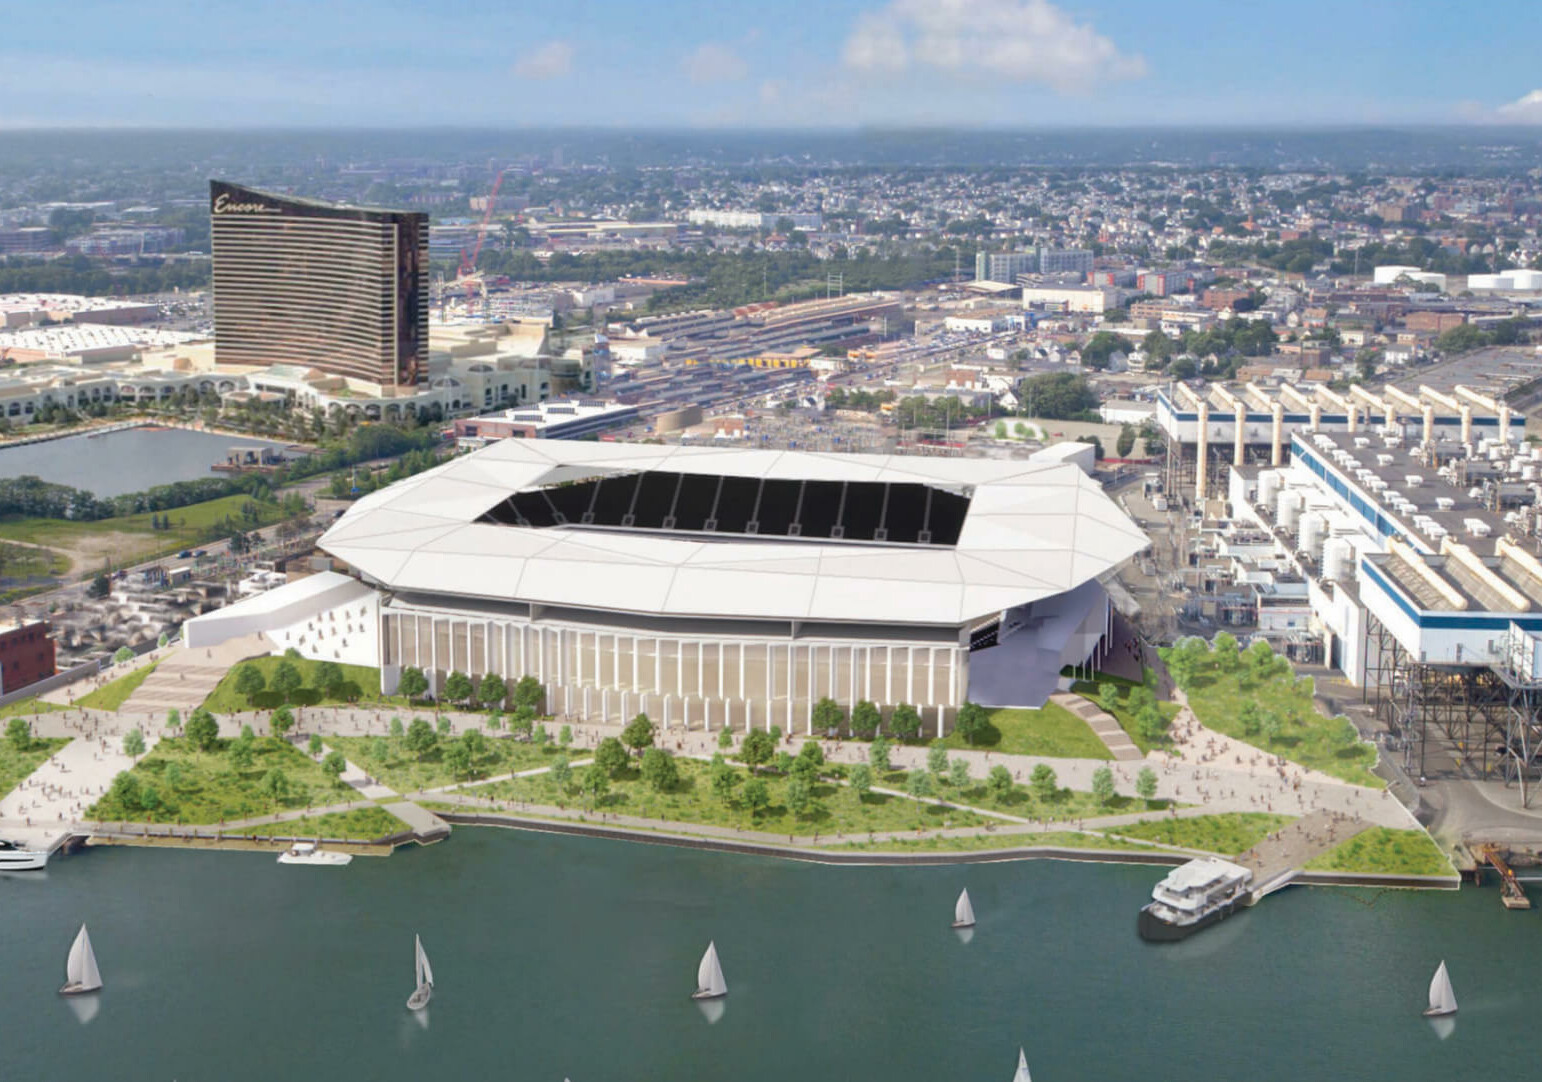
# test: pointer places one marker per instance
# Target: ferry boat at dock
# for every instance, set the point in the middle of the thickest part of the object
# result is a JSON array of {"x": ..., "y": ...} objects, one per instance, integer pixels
[
  {"x": 15, "y": 857},
  {"x": 1194, "y": 896}
]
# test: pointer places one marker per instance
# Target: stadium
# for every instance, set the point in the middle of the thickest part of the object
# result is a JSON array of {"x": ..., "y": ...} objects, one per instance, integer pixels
[{"x": 726, "y": 587}]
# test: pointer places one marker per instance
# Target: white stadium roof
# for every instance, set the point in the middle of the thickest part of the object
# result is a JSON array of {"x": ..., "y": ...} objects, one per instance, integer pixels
[{"x": 1031, "y": 531}]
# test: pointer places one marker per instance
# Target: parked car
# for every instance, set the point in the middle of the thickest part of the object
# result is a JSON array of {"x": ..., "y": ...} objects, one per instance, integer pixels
[{"x": 184, "y": 554}]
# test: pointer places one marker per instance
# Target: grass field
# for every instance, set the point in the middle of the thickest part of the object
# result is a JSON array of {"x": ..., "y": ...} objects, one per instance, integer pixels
[
  {"x": 1122, "y": 712},
  {"x": 23, "y": 562},
  {"x": 836, "y": 808},
  {"x": 1228, "y": 833},
  {"x": 23, "y": 708},
  {"x": 17, "y": 765},
  {"x": 1051, "y": 730},
  {"x": 1391, "y": 852},
  {"x": 210, "y": 789},
  {"x": 405, "y": 772},
  {"x": 1065, "y": 839},
  {"x": 1216, "y": 696},
  {"x": 357, "y": 824},
  {"x": 360, "y": 684},
  {"x": 112, "y": 695}
]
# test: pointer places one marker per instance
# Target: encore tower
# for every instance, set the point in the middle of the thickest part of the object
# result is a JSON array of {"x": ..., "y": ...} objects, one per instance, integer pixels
[{"x": 303, "y": 282}]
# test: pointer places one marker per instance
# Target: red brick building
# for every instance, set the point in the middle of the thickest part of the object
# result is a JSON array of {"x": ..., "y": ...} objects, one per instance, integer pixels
[{"x": 26, "y": 655}]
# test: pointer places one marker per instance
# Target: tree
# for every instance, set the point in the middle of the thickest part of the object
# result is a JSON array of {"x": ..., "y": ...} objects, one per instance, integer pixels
[
  {"x": 275, "y": 784},
  {"x": 958, "y": 773},
  {"x": 1108, "y": 696},
  {"x": 334, "y": 764},
  {"x": 528, "y": 692},
  {"x": 286, "y": 679},
  {"x": 1101, "y": 347},
  {"x": 18, "y": 734},
  {"x": 999, "y": 781},
  {"x": 397, "y": 730},
  {"x": 202, "y": 729},
  {"x": 314, "y": 744},
  {"x": 1103, "y": 784},
  {"x": 638, "y": 734},
  {"x": 783, "y": 763},
  {"x": 1146, "y": 784},
  {"x": 1250, "y": 717},
  {"x": 757, "y": 748},
  {"x": 878, "y": 755},
  {"x": 125, "y": 792},
  {"x": 1126, "y": 441},
  {"x": 1260, "y": 661},
  {"x": 242, "y": 753},
  {"x": 174, "y": 718},
  {"x": 1044, "y": 783},
  {"x": 523, "y": 720},
  {"x": 973, "y": 721},
  {"x": 937, "y": 759},
  {"x": 812, "y": 752},
  {"x": 565, "y": 736},
  {"x": 282, "y": 721},
  {"x": 1225, "y": 651},
  {"x": 756, "y": 797},
  {"x": 865, "y": 720},
  {"x": 413, "y": 683},
  {"x": 611, "y": 756},
  {"x": 1151, "y": 725},
  {"x": 561, "y": 774},
  {"x": 800, "y": 795},
  {"x": 134, "y": 743},
  {"x": 457, "y": 758},
  {"x": 1272, "y": 727},
  {"x": 659, "y": 770},
  {"x": 905, "y": 722},
  {"x": 1061, "y": 396},
  {"x": 596, "y": 782},
  {"x": 249, "y": 681},
  {"x": 861, "y": 778},
  {"x": 492, "y": 690},
  {"x": 327, "y": 678},
  {"x": 919, "y": 784},
  {"x": 828, "y": 715},
  {"x": 121, "y": 655},
  {"x": 442, "y": 726},
  {"x": 457, "y": 687},
  {"x": 724, "y": 779},
  {"x": 725, "y": 739},
  {"x": 100, "y": 587},
  {"x": 421, "y": 737}
]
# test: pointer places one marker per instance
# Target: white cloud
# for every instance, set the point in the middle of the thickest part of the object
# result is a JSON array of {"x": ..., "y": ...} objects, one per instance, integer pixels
[
  {"x": 1025, "y": 41},
  {"x": 550, "y": 61},
  {"x": 1526, "y": 109},
  {"x": 713, "y": 62},
  {"x": 771, "y": 91}
]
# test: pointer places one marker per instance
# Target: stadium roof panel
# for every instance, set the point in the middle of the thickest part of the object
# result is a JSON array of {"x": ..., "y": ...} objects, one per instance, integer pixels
[{"x": 1029, "y": 531}]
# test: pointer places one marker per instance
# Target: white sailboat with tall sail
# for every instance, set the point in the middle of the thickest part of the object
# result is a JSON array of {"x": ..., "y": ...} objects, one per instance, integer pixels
[
  {"x": 1022, "y": 1067},
  {"x": 1442, "y": 998},
  {"x": 709, "y": 976},
  {"x": 963, "y": 912},
  {"x": 424, "y": 974},
  {"x": 80, "y": 972}
]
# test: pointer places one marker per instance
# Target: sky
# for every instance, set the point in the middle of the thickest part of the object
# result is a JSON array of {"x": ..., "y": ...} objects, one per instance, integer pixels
[{"x": 773, "y": 63}]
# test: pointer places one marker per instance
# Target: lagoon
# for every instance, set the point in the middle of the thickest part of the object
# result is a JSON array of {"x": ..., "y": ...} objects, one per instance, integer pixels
[
  {"x": 574, "y": 957},
  {"x": 128, "y": 460}
]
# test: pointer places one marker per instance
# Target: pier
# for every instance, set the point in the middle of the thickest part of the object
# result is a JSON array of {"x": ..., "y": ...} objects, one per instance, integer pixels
[
  {"x": 1277, "y": 860},
  {"x": 1511, "y": 894}
]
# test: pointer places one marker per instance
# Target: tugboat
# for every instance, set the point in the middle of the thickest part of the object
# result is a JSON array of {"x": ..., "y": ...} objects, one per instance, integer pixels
[{"x": 1194, "y": 896}]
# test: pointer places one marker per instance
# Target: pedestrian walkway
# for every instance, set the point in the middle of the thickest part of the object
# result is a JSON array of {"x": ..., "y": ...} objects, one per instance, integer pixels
[
  {"x": 186, "y": 677},
  {"x": 1277, "y": 859},
  {"x": 1104, "y": 724}
]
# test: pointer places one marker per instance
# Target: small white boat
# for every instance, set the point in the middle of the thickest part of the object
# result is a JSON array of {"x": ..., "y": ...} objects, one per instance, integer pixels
[
  {"x": 312, "y": 853},
  {"x": 963, "y": 912},
  {"x": 1022, "y": 1067},
  {"x": 1442, "y": 998},
  {"x": 18, "y": 858},
  {"x": 80, "y": 972},
  {"x": 709, "y": 976},
  {"x": 424, "y": 974}
]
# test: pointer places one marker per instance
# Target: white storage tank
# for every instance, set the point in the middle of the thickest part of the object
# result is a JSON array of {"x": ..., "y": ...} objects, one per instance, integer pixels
[
  {"x": 1338, "y": 560},
  {"x": 1287, "y": 510},
  {"x": 1268, "y": 488},
  {"x": 1313, "y": 530}
]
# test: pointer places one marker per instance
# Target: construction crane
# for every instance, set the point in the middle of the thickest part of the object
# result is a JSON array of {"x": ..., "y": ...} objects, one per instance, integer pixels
[{"x": 468, "y": 260}]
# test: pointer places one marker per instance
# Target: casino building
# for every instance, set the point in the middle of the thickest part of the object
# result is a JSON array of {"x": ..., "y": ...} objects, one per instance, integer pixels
[
  {"x": 319, "y": 285},
  {"x": 724, "y": 587}
]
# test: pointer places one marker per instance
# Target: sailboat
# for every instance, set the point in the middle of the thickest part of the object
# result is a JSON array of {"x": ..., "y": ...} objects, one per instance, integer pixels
[
  {"x": 1442, "y": 999},
  {"x": 709, "y": 976},
  {"x": 1022, "y": 1067},
  {"x": 80, "y": 972},
  {"x": 425, "y": 977},
  {"x": 963, "y": 912}
]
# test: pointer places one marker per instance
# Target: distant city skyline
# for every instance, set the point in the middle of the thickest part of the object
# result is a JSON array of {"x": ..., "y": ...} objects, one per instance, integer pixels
[{"x": 693, "y": 63}]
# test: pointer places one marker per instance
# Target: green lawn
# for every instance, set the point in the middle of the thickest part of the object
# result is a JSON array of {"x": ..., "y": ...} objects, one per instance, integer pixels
[
  {"x": 23, "y": 708},
  {"x": 112, "y": 695},
  {"x": 1228, "y": 833},
  {"x": 1060, "y": 839},
  {"x": 358, "y": 824},
  {"x": 405, "y": 772},
  {"x": 1388, "y": 851},
  {"x": 1052, "y": 730},
  {"x": 360, "y": 684},
  {"x": 1216, "y": 696},
  {"x": 836, "y": 807},
  {"x": 192, "y": 525},
  {"x": 211, "y": 789},
  {"x": 1122, "y": 712},
  {"x": 17, "y": 765},
  {"x": 1064, "y": 805}
]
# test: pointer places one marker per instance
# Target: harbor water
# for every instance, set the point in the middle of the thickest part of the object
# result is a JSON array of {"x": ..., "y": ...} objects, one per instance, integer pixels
[
  {"x": 573, "y": 957},
  {"x": 127, "y": 460}
]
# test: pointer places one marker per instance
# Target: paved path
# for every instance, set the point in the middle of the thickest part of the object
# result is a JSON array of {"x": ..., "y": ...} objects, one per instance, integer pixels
[
  {"x": 1291, "y": 847},
  {"x": 186, "y": 677},
  {"x": 1104, "y": 724}
]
